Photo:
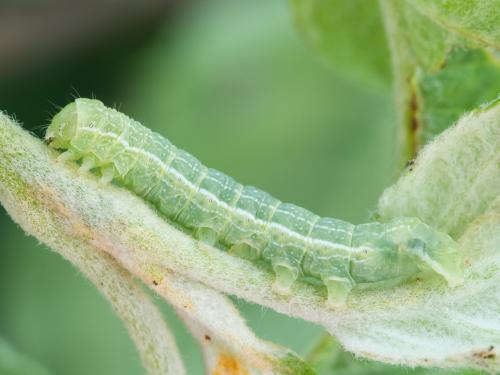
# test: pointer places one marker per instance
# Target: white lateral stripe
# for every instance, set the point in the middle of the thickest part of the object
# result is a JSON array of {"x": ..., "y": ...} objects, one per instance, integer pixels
[{"x": 209, "y": 195}]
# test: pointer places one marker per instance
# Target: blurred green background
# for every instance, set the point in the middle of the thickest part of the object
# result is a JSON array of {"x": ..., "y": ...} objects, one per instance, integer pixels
[{"x": 230, "y": 81}]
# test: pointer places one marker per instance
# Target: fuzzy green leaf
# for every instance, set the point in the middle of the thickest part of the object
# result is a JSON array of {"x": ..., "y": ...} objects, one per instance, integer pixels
[
  {"x": 442, "y": 64},
  {"x": 471, "y": 77},
  {"x": 329, "y": 358},
  {"x": 427, "y": 43},
  {"x": 349, "y": 34},
  {"x": 476, "y": 20},
  {"x": 455, "y": 187},
  {"x": 14, "y": 363}
]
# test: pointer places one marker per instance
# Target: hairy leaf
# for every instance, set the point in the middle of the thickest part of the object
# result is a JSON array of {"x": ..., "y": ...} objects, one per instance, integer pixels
[
  {"x": 329, "y": 358},
  {"x": 14, "y": 363},
  {"x": 349, "y": 34},
  {"x": 442, "y": 66},
  {"x": 454, "y": 185},
  {"x": 477, "y": 20},
  {"x": 471, "y": 77}
]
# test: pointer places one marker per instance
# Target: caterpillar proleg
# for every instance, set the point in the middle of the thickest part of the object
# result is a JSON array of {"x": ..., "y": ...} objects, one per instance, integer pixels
[{"x": 246, "y": 221}]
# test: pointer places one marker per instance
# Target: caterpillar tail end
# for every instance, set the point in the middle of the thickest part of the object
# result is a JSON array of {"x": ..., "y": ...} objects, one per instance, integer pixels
[
  {"x": 443, "y": 256},
  {"x": 452, "y": 263},
  {"x": 451, "y": 271},
  {"x": 285, "y": 277}
]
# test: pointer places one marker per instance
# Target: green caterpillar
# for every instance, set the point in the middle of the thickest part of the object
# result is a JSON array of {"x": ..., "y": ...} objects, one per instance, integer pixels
[{"x": 246, "y": 221}]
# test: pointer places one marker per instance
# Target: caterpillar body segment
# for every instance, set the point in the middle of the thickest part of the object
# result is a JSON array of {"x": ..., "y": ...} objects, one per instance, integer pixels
[{"x": 246, "y": 221}]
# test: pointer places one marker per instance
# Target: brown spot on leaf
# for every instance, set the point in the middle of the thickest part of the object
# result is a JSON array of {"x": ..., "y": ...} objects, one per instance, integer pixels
[
  {"x": 486, "y": 354},
  {"x": 228, "y": 365},
  {"x": 413, "y": 123},
  {"x": 208, "y": 338}
]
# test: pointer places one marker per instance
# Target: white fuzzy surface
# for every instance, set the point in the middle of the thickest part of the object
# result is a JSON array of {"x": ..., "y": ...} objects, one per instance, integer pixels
[{"x": 141, "y": 317}]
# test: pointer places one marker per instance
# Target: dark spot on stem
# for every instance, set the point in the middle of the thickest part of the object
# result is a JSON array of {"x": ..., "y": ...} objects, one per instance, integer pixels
[
  {"x": 409, "y": 165},
  {"x": 414, "y": 123},
  {"x": 486, "y": 354}
]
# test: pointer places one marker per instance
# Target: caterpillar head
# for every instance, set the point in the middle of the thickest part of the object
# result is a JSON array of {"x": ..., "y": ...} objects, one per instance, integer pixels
[
  {"x": 63, "y": 127},
  {"x": 434, "y": 250}
]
